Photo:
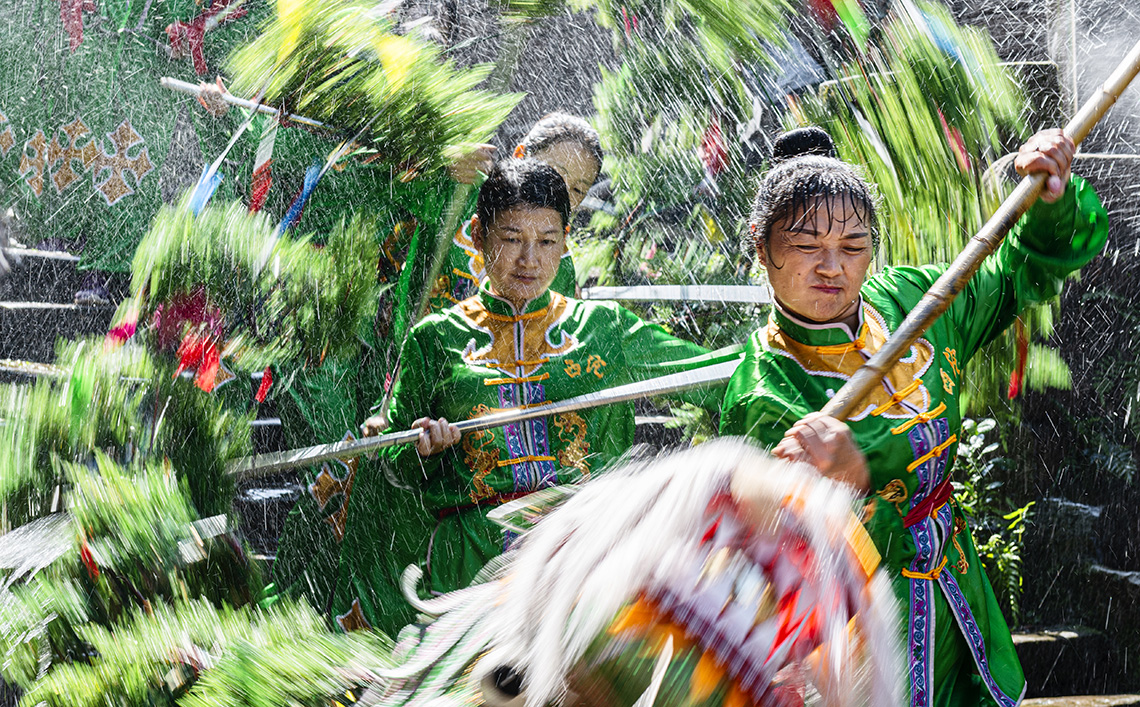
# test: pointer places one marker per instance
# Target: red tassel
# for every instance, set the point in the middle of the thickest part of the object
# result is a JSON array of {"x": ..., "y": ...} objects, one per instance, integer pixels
[
  {"x": 88, "y": 559},
  {"x": 714, "y": 153},
  {"x": 193, "y": 33},
  {"x": 71, "y": 15},
  {"x": 1018, "y": 375},
  {"x": 266, "y": 382},
  {"x": 824, "y": 12},
  {"x": 171, "y": 317},
  {"x": 957, "y": 144},
  {"x": 122, "y": 331}
]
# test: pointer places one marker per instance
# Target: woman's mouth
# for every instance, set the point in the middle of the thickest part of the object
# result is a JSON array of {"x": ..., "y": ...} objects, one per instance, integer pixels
[{"x": 828, "y": 289}]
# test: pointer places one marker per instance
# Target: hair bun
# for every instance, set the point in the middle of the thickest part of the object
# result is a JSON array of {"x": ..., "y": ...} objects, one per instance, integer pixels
[{"x": 802, "y": 142}]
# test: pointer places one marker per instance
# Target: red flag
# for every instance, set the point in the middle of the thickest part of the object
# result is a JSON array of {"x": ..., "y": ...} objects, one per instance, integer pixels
[
  {"x": 259, "y": 187},
  {"x": 71, "y": 14},
  {"x": 207, "y": 374}
]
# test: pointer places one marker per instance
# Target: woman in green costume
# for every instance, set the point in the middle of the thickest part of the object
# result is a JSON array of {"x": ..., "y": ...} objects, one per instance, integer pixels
[
  {"x": 516, "y": 343},
  {"x": 815, "y": 230},
  {"x": 569, "y": 145}
]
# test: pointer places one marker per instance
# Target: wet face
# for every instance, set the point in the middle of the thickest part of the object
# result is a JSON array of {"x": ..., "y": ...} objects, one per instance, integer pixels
[
  {"x": 576, "y": 165},
  {"x": 522, "y": 250},
  {"x": 817, "y": 260}
]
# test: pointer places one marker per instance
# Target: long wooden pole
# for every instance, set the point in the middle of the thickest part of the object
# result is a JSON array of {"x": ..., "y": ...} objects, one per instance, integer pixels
[
  {"x": 942, "y": 293},
  {"x": 263, "y": 464},
  {"x": 195, "y": 90}
]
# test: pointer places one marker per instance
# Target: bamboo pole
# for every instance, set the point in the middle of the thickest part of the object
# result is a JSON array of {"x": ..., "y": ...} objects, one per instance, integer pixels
[
  {"x": 946, "y": 288},
  {"x": 263, "y": 464},
  {"x": 195, "y": 90}
]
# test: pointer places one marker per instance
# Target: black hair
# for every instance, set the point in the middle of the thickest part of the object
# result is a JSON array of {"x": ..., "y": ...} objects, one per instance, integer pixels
[
  {"x": 805, "y": 170},
  {"x": 525, "y": 182},
  {"x": 802, "y": 142},
  {"x": 554, "y": 128}
]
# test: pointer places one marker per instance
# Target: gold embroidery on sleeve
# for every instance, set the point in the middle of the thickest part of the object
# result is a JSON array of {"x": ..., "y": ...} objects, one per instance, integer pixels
[
  {"x": 572, "y": 433},
  {"x": 481, "y": 456},
  {"x": 952, "y": 358},
  {"x": 895, "y": 492},
  {"x": 595, "y": 364},
  {"x": 947, "y": 383}
]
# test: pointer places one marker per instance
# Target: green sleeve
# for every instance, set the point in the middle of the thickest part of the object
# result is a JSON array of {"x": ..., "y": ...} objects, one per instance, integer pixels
[
  {"x": 759, "y": 417},
  {"x": 411, "y": 400},
  {"x": 1046, "y": 245},
  {"x": 761, "y": 401},
  {"x": 1050, "y": 242},
  {"x": 650, "y": 351}
]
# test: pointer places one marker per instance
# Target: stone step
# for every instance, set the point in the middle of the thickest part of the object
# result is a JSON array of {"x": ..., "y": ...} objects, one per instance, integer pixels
[
  {"x": 1084, "y": 701},
  {"x": 1101, "y": 597},
  {"x": 29, "y": 330},
  {"x": 52, "y": 276},
  {"x": 24, "y": 372},
  {"x": 1118, "y": 530},
  {"x": 46, "y": 275},
  {"x": 1066, "y": 660},
  {"x": 1065, "y": 532}
]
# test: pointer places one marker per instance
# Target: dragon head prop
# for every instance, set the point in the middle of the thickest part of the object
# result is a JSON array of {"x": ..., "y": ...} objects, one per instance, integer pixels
[{"x": 716, "y": 576}]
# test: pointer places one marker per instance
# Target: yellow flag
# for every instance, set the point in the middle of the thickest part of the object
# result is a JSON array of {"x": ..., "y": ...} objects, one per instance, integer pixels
[
  {"x": 712, "y": 229},
  {"x": 397, "y": 54},
  {"x": 289, "y": 15}
]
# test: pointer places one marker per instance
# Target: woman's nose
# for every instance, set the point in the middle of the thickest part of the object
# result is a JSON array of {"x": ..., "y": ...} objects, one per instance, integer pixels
[{"x": 828, "y": 263}]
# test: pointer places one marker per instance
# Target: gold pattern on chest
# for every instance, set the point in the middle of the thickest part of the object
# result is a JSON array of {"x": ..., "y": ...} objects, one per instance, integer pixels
[
  {"x": 520, "y": 344},
  {"x": 903, "y": 392}
]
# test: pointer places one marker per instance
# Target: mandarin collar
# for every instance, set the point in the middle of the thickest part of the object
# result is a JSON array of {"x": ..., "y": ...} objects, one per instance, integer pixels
[
  {"x": 499, "y": 305},
  {"x": 815, "y": 333}
]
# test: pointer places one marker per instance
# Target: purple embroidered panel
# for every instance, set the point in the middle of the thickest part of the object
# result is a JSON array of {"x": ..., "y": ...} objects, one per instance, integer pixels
[
  {"x": 921, "y": 639},
  {"x": 513, "y": 435},
  {"x": 928, "y": 536},
  {"x": 528, "y": 439},
  {"x": 965, "y": 618},
  {"x": 545, "y": 473}
]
